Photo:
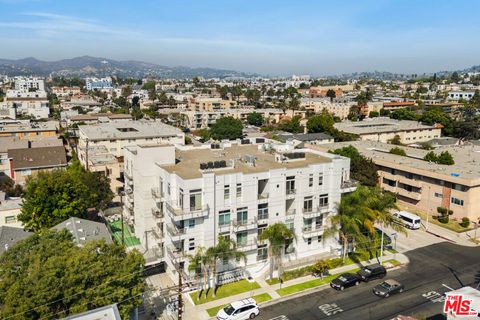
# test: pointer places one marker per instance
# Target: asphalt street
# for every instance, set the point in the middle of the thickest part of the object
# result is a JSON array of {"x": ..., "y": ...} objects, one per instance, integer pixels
[{"x": 431, "y": 269}]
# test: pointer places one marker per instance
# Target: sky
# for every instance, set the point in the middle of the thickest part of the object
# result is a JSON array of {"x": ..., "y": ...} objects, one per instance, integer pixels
[{"x": 273, "y": 37}]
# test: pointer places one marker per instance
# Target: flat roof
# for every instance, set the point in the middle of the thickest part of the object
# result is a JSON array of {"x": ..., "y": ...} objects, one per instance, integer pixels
[
  {"x": 188, "y": 166},
  {"x": 381, "y": 125},
  {"x": 465, "y": 169},
  {"x": 128, "y": 130},
  {"x": 23, "y": 126}
]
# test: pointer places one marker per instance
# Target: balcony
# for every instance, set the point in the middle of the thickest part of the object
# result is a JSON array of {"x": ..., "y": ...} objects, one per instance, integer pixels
[
  {"x": 410, "y": 182},
  {"x": 291, "y": 192},
  {"x": 175, "y": 253},
  {"x": 309, "y": 232},
  {"x": 247, "y": 246},
  {"x": 241, "y": 225},
  {"x": 175, "y": 231},
  {"x": 127, "y": 175},
  {"x": 348, "y": 186},
  {"x": 157, "y": 233},
  {"x": 390, "y": 188},
  {"x": 157, "y": 213},
  {"x": 157, "y": 194},
  {"x": 153, "y": 256},
  {"x": 262, "y": 196},
  {"x": 177, "y": 213},
  {"x": 314, "y": 212},
  {"x": 409, "y": 194},
  {"x": 291, "y": 212}
]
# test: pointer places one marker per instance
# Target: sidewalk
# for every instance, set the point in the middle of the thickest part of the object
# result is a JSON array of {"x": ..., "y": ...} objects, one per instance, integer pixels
[
  {"x": 462, "y": 238},
  {"x": 198, "y": 312}
]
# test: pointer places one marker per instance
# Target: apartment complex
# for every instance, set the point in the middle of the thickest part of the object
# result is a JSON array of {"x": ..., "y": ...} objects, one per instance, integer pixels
[
  {"x": 318, "y": 105},
  {"x": 32, "y": 102},
  {"x": 183, "y": 197},
  {"x": 210, "y": 104},
  {"x": 205, "y": 119},
  {"x": 100, "y": 146},
  {"x": 25, "y": 129},
  {"x": 384, "y": 129},
  {"x": 99, "y": 83},
  {"x": 424, "y": 185},
  {"x": 29, "y": 84}
]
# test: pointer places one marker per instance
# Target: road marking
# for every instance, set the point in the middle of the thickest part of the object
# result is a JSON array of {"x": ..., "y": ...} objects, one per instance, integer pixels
[
  {"x": 282, "y": 317},
  {"x": 434, "y": 296},
  {"x": 330, "y": 309}
]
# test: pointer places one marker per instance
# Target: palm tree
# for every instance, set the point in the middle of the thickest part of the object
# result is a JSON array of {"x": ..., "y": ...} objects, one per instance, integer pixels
[
  {"x": 357, "y": 214},
  {"x": 199, "y": 263},
  {"x": 225, "y": 250},
  {"x": 276, "y": 235}
]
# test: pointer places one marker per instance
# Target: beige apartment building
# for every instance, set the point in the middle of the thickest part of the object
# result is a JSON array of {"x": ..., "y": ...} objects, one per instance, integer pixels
[
  {"x": 210, "y": 104},
  {"x": 205, "y": 119},
  {"x": 384, "y": 129},
  {"x": 423, "y": 185},
  {"x": 318, "y": 105}
]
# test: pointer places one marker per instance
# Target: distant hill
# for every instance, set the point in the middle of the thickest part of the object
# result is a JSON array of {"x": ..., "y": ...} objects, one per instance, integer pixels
[{"x": 93, "y": 66}]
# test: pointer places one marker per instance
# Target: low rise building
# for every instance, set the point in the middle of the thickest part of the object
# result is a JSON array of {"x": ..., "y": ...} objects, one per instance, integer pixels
[
  {"x": 11, "y": 235},
  {"x": 210, "y": 104},
  {"x": 26, "y": 129},
  {"x": 185, "y": 197},
  {"x": 93, "y": 83},
  {"x": 318, "y": 105},
  {"x": 83, "y": 230},
  {"x": 66, "y": 91},
  {"x": 29, "y": 83},
  {"x": 31, "y": 103},
  {"x": 205, "y": 119},
  {"x": 299, "y": 139},
  {"x": 384, "y": 129},
  {"x": 457, "y": 95},
  {"x": 9, "y": 210},
  {"x": 425, "y": 185},
  {"x": 395, "y": 105}
]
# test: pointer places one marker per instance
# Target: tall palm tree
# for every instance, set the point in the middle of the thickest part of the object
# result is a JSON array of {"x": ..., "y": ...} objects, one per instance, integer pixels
[
  {"x": 226, "y": 249},
  {"x": 357, "y": 214},
  {"x": 276, "y": 234},
  {"x": 199, "y": 263}
]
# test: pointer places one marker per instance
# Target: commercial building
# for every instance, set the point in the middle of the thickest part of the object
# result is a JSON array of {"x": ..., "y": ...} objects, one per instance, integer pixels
[
  {"x": 384, "y": 129},
  {"x": 425, "y": 185},
  {"x": 183, "y": 197},
  {"x": 99, "y": 83},
  {"x": 100, "y": 146},
  {"x": 205, "y": 119}
]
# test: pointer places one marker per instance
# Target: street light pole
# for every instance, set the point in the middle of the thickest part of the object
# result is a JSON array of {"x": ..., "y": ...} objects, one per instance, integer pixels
[{"x": 381, "y": 245}]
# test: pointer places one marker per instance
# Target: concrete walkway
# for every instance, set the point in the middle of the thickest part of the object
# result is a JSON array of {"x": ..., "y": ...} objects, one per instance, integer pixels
[
  {"x": 198, "y": 312},
  {"x": 460, "y": 238}
]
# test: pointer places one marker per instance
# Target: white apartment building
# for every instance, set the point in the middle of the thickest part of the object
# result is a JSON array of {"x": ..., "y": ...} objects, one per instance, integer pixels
[
  {"x": 29, "y": 83},
  {"x": 456, "y": 95},
  {"x": 99, "y": 83},
  {"x": 33, "y": 103},
  {"x": 100, "y": 146},
  {"x": 183, "y": 197}
]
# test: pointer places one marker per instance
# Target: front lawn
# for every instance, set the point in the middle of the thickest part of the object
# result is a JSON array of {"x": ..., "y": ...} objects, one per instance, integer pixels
[
  {"x": 259, "y": 298},
  {"x": 309, "y": 284},
  {"x": 226, "y": 290}
]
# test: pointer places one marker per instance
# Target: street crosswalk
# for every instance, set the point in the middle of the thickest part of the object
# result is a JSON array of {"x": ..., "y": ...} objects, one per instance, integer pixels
[{"x": 282, "y": 317}]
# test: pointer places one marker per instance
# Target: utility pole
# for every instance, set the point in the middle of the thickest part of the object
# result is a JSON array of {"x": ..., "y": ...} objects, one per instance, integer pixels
[
  {"x": 121, "y": 216},
  {"x": 381, "y": 245},
  {"x": 180, "y": 285}
]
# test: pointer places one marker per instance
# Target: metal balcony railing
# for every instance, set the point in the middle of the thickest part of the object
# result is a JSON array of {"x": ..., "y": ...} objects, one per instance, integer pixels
[
  {"x": 157, "y": 193},
  {"x": 157, "y": 213}
]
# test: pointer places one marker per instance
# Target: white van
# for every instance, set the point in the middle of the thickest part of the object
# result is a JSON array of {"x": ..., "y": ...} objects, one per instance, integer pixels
[{"x": 410, "y": 220}]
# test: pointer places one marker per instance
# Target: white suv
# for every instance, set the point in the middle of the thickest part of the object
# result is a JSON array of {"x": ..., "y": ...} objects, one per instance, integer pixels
[{"x": 239, "y": 310}]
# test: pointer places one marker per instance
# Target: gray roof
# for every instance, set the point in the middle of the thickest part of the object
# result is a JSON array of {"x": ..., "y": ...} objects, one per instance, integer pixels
[
  {"x": 11, "y": 235},
  {"x": 381, "y": 125},
  {"x": 443, "y": 141},
  {"x": 109, "y": 312},
  {"x": 306, "y": 136},
  {"x": 38, "y": 158},
  {"x": 128, "y": 130},
  {"x": 85, "y": 230},
  {"x": 9, "y": 143}
]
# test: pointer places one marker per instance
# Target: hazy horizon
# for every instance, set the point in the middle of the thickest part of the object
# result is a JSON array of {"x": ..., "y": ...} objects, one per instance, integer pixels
[{"x": 266, "y": 37}]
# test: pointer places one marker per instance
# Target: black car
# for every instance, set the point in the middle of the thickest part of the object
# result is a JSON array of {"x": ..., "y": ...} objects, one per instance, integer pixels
[
  {"x": 345, "y": 280},
  {"x": 374, "y": 271},
  {"x": 387, "y": 288}
]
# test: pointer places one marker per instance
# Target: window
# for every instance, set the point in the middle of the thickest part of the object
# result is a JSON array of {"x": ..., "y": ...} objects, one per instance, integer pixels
[
  {"x": 191, "y": 223},
  {"x": 309, "y": 241},
  {"x": 310, "y": 180},
  {"x": 438, "y": 195},
  {"x": 262, "y": 253},
  {"x": 239, "y": 190},
  {"x": 242, "y": 238},
  {"x": 320, "y": 179},
  {"x": 196, "y": 199},
  {"x": 323, "y": 201},
  {"x": 224, "y": 217},
  {"x": 168, "y": 188},
  {"x": 10, "y": 219},
  {"x": 226, "y": 192},
  {"x": 263, "y": 211},
  {"x": 180, "y": 198},
  {"x": 319, "y": 239},
  {"x": 225, "y": 235},
  {"x": 260, "y": 229},
  {"x": 308, "y": 204},
  {"x": 242, "y": 215},
  {"x": 318, "y": 222},
  {"x": 290, "y": 224},
  {"x": 307, "y": 224},
  {"x": 290, "y": 185},
  {"x": 457, "y": 201},
  {"x": 191, "y": 244}
]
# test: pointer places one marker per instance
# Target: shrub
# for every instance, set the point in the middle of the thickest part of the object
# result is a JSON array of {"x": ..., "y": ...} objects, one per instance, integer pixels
[
  {"x": 450, "y": 212},
  {"x": 321, "y": 267},
  {"x": 443, "y": 219},
  {"x": 442, "y": 210},
  {"x": 398, "y": 151},
  {"x": 465, "y": 222}
]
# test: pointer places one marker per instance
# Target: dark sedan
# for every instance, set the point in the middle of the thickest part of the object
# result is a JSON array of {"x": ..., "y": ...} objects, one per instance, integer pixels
[
  {"x": 387, "y": 288},
  {"x": 345, "y": 280}
]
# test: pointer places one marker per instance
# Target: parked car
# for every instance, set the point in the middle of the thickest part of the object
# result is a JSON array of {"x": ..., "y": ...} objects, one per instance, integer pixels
[
  {"x": 374, "y": 271},
  {"x": 387, "y": 288},
  {"x": 239, "y": 310},
  {"x": 345, "y": 280}
]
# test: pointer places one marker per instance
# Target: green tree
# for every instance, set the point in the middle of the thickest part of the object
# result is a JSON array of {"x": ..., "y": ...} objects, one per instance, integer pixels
[
  {"x": 225, "y": 250},
  {"x": 321, "y": 123},
  {"x": 434, "y": 116},
  {"x": 126, "y": 91},
  {"x": 331, "y": 94},
  {"x": 200, "y": 263},
  {"x": 396, "y": 140},
  {"x": 446, "y": 158},
  {"x": 204, "y": 134},
  {"x": 277, "y": 235},
  {"x": 149, "y": 85},
  {"x": 227, "y": 128},
  {"x": 431, "y": 157},
  {"x": 292, "y": 125},
  {"x": 255, "y": 119},
  {"x": 52, "y": 197},
  {"x": 361, "y": 169},
  {"x": 404, "y": 114},
  {"x": 374, "y": 114},
  {"x": 294, "y": 103},
  {"x": 48, "y": 276},
  {"x": 398, "y": 151}
]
